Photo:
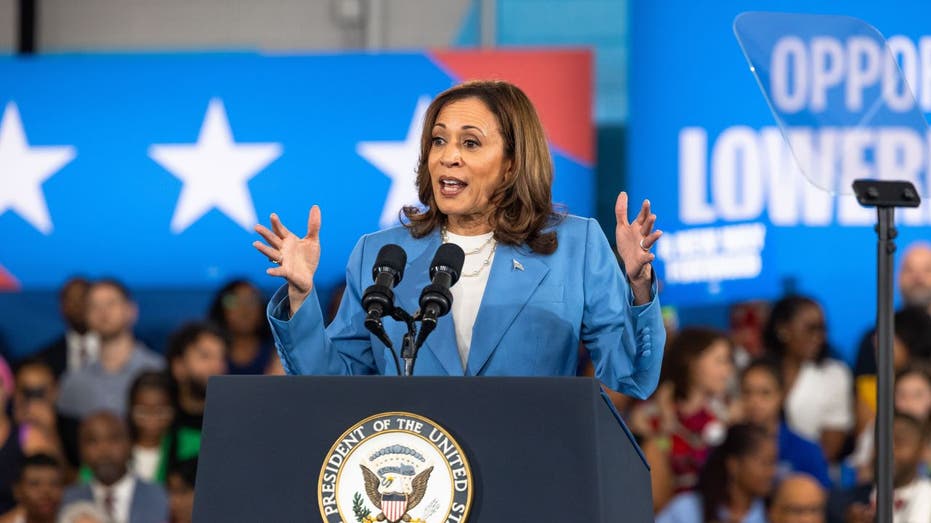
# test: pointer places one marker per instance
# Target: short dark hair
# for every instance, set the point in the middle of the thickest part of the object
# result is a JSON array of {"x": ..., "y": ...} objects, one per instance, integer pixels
[
  {"x": 766, "y": 364},
  {"x": 913, "y": 328},
  {"x": 71, "y": 282},
  {"x": 184, "y": 337},
  {"x": 37, "y": 461},
  {"x": 115, "y": 284}
]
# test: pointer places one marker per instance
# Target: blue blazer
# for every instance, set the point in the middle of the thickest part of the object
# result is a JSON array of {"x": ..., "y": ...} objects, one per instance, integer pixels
[{"x": 535, "y": 311}]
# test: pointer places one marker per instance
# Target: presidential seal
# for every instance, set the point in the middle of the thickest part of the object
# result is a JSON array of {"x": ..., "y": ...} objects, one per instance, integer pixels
[{"x": 393, "y": 467}]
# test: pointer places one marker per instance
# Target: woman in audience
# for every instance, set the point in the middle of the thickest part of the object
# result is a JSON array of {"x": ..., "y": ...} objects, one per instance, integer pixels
[
  {"x": 16, "y": 442},
  {"x": 819, "y": 403},
  {"x": 761, "y": 395},
  {"x": 150, "y": 417},
  {"x": 239, "y": 309},
  {"x": 912, "y": 397},
  {"x": 733, "y": 483},
  {"x": 688, "y": 415}
]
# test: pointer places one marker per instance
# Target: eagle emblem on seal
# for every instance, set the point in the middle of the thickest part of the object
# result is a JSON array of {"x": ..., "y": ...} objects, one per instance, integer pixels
[{"x": 395, "y": 486}]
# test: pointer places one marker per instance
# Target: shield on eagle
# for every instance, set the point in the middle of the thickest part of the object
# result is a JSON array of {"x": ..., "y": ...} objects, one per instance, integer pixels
[{"x": 395, "y": 504}]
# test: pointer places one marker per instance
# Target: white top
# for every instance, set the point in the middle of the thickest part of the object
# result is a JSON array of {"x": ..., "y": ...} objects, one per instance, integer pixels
[
  {"x": 911, "y": 503},
  {"x": 468, "y": 291},
  {"x": 122, "y": 495},
  {"x": 144, "y": 462},
  {"x": 83, "y": 349},
  {"x": 820, "y": 399}
]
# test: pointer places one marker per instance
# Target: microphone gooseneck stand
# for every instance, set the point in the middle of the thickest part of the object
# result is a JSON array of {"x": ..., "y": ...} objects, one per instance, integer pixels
[{"x": 886, "y": 196}]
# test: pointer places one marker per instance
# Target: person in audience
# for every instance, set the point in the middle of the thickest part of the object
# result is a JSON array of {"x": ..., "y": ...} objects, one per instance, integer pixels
[
  {"x": 196, "y": 352},
  {"x": 180, "y": 482},
  {"x": 915, "y": 289},
  {"x": 16, "y": 441},
  {"x": 818, "y": 403},
  {"x": 78, "y": 347},
  {"x": 239, "y": 309},
  {"x": 34, "y": 402},
  {"x": 104, "y": 384},
  {"x": 912, "y": 494},
  {"x": 82, "y": 512},
  {"x": 912, "y": 396},
  {"x": 911, "y": 343},
  {"x": 746, "y": 331},
  {"x": 106, "y": 449},
  {"x": 691, "y": 412},
  {"x": 761, "y": 394},
  {"x": 799, "y": 498},
  {"x": 150, "y": 417},
  {"x": 915, "y": 275},
  {"x": 37, "y": 490},
  {"x": 735, "y": 480}
]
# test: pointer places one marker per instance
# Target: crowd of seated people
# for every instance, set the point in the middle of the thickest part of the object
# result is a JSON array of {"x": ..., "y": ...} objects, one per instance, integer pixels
[
  {"x": 766, "y": 422},
  {"x": 97, "y": 427},
  {"x": 763, "y": 422}
]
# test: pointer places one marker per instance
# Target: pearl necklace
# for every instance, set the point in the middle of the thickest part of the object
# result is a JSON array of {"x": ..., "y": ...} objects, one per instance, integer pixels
[{"x": 485, "y": 262}]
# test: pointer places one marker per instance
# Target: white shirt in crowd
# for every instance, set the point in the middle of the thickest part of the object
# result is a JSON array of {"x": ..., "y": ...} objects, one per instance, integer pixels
[
  {"x": 144, "y": 463},
  {"x": 83, "y": 349},
  {"x": 912, "y": 503},
  {"x": 820, "y": 399},
  {"x": 121, "y": 494},
  {"x": 468, "y": 291}
]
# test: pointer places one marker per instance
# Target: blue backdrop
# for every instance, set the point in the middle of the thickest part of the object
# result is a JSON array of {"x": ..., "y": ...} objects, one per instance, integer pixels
[
  {"x": 705, "y": 148},
  {"x": 154, "y": 168}
]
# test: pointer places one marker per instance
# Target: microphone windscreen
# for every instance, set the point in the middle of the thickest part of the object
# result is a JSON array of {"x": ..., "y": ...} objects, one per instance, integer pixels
[
  {"x": 450, "y": 256},
  {"x": 392, "y": 257}
]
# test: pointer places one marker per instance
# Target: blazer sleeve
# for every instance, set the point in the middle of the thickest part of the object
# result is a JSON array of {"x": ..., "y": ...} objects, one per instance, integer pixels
[
  {"x": 624, "y": 340},
  {"x": 306, "y": 346}
]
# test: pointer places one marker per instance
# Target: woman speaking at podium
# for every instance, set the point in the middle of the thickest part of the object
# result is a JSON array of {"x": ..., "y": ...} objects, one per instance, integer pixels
[{"x": 534, "y": 282}]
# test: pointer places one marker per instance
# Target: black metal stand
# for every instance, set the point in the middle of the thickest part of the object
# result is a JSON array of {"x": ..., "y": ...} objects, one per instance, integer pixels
[{"x": 885, "y": 196}]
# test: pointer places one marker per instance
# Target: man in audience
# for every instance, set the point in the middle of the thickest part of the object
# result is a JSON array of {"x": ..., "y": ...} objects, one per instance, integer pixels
[
  {"x": 915, "y": 276},
  {"x": 915, "y": 288},
  {"x": 912, "y": 495},
  {"x": 104, "y": 384},
  {"x": 105, "y": 448},
  {"x": 180, "y": 482},
  {"x": 77, "y": 347},
  {"x": 37, "y": 490},
  {"x": 196, "y": 351},
  {"x": 799, "y": 498}
]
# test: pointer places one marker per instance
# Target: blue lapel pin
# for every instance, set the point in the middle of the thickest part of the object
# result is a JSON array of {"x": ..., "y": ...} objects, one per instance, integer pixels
[{"x": 516, "y": 265}]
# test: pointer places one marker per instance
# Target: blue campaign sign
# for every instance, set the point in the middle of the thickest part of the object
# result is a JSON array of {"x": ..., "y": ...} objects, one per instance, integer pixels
[
  {"x": 155, "y": 168},
  {"x": 742, "y": 219}
]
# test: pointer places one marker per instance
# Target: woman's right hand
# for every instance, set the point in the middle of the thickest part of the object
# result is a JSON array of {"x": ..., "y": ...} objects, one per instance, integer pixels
[{"x": 297, "y": 258}]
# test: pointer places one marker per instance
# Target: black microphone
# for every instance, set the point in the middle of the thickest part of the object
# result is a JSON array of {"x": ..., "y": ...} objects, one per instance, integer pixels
[
  {"x": 378, "y": 299},
  {"x": 436, "y": 299}
]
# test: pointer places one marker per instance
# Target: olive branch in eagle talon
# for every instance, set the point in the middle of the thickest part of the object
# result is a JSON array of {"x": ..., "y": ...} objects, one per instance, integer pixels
[{"x": 418, "y": 486}]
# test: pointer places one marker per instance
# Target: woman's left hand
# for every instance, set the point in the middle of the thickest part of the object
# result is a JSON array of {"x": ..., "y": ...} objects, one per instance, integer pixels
[{"x": 634, "y": 240}]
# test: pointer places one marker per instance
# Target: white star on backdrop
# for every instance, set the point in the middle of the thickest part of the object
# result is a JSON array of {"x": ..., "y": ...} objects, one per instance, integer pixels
[
  {"x": 398, "y": 160},
  {"x": 215, "y": 171},
  {"x": 23, "y": 170}
]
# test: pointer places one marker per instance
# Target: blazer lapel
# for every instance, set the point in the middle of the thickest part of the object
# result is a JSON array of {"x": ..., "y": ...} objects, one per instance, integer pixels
[
  {"x": 515, "y": 275},
  {"x": 442, "y": 341}
]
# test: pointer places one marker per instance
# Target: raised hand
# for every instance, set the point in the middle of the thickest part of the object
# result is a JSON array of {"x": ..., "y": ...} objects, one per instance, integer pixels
[
  {"x": 634, "y": 240},
  {"x": 296, "y": 258}
]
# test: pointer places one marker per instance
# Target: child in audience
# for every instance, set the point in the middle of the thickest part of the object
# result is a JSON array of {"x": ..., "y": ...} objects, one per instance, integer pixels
[{"x": 733, "y": 483}]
